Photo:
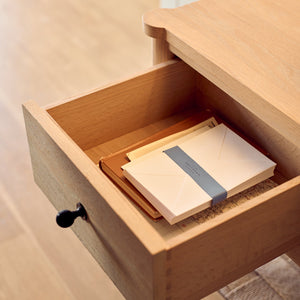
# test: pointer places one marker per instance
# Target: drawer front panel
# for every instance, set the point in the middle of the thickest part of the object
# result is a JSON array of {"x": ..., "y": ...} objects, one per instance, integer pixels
[
  {"x": 242, "y": 240},
  {"x": 110, "y": 241}
]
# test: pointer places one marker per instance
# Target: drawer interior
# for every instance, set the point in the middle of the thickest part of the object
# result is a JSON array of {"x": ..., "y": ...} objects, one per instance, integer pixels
[
  {"x": 145, "y": 258},
  {"x": 107, "y": 120},
  {"x": 110, "y": 119}
]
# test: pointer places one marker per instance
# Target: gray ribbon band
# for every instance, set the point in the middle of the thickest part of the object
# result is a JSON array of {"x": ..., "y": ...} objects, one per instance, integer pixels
[{"x": 198, "y": 174}]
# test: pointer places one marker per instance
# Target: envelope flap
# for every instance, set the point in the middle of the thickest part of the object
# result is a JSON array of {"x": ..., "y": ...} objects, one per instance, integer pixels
[{"x": 228, "y": 158}]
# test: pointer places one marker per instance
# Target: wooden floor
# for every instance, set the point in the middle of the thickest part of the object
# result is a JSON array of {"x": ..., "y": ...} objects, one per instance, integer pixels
[{"x": 51, "y": 50}]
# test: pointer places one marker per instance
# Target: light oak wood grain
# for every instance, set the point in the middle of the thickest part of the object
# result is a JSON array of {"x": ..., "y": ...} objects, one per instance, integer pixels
[
  {"x": 268, "y": 234},
  {"x": 51, "y": 51},
  {"x": 155, "y": 94},
  {"x": 67, "y": 176},
  {"x": 161, "y": 52},
  {"x": 15, "y": 281},
  {"x": 10, "y": 227},
  {"x": 56, "y": 50},
  {"x": 17, "y": 270},
  {"x": 36, "y": 219},
  {"x": 250, "y": 49},
  {"x": 120, "y": 249},
  {"x": 133, "y": 137}
]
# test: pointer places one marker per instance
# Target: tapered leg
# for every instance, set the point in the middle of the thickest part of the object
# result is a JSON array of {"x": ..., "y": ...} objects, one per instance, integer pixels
[{"x": 161, "y": 51}]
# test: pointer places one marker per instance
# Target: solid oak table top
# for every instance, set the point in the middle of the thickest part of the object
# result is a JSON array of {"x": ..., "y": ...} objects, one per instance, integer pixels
[{"x": 250, "y": 49}]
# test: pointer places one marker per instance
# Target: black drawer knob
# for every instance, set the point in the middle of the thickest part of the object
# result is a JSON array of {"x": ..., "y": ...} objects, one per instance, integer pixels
[{"x": 66, "y": 218}]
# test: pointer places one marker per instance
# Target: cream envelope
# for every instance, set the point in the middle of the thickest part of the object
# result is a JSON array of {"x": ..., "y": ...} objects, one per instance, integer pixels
[
  {"x": 185, "y": 134},
  {"x": 225, "y": 156},
  {"x": 143, "y": 152}
]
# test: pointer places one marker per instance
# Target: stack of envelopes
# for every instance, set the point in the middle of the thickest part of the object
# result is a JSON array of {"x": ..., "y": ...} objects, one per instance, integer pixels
[
  {"x": 111, "y": 164},
  {"x": 183, "y": 175}
]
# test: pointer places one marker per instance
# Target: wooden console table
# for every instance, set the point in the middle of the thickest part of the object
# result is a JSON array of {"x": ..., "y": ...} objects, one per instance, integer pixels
[{"x": 241, "y": 60}]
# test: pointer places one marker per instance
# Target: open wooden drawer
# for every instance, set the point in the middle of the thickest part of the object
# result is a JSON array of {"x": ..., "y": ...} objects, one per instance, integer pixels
[{"x": 144, "y": 258}]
